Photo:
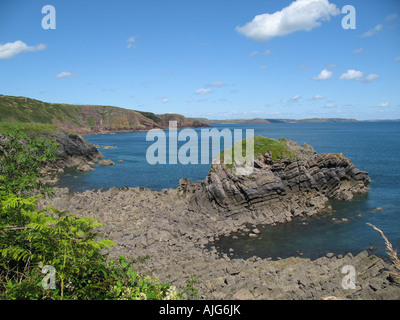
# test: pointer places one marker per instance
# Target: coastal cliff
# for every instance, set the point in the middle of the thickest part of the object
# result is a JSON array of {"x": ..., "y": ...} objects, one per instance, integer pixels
[
  {"x": 73, "y": 149},
  {"x": 86, "y": 119}
]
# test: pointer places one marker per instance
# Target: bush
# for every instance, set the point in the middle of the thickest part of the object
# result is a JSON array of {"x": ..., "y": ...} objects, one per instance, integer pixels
[{"x": 21, "y": 158}]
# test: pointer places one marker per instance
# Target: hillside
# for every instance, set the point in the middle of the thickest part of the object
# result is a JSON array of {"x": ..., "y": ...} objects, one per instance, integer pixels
[{"x": 86, "y": 119}]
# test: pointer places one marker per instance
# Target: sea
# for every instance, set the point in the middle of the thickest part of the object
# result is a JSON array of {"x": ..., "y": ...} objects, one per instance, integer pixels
[{"x": 372, "y": 146}]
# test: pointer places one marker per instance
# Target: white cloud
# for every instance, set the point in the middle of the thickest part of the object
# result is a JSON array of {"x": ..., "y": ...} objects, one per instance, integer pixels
[
  {"x": 203, "y": 91},
  {"x": 163, "y": 99},
  {"x": 324, "y": 75},
  {"x": 262, "y": 68},
  {"x": 300, "y": 15},
  {"x": 371, "y": 77},
  {"x": 384, "y": 104},
  {"x": 373, "y": 31},
  {"x": 217, "y": 84},
  {"x": 358, "y": 50},
  {"x": 264, "y": 53},
  {"x": 330, "y": 105},
  {"x": 131, "y": 42},
  {"x": 391, "y": 17},
  {"x": 293, "y": 99},
  {"x": 316, "y": 97},
  {"x": 10, "y": 49},
  {"x": 352, "y": 75},
  {"x": 251, "y": 55},
  {"x": 66, "y": 74}
]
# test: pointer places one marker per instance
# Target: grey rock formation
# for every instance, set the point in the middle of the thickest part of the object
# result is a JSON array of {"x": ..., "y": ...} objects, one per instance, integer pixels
[
  {"x": 276, "y": 191},
  {"x": 74, "y": 150}
]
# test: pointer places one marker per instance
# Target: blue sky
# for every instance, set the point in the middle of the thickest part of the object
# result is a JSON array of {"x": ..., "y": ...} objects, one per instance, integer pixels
[{"x": 217, "y": 59}]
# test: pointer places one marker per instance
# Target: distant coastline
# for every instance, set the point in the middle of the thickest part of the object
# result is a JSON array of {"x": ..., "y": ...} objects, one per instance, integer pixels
[
  {"x": 97, "y": 119},
  {"x": 307, "y": 120}
]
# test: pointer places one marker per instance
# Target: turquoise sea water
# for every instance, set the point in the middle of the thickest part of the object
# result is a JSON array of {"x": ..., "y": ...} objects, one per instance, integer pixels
[{"x": 371, "y": 146}]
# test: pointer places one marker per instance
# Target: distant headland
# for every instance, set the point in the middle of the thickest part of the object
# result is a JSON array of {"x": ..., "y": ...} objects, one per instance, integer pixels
[{"x": 92, "y": 119}]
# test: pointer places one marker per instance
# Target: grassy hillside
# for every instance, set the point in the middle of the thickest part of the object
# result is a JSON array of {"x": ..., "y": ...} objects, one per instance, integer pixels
[{"x": 84, "y": 119}]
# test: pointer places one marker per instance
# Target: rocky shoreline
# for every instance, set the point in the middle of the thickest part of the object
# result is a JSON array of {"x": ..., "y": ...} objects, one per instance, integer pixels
[
  {"x": 175, "y": 241},
  {"x": 170, "y": 232}
]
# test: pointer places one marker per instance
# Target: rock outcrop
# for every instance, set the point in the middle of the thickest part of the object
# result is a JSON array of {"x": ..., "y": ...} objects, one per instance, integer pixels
[
  {"x": 278, "y": 190},
  {"x": 105, "y": 163},
  {"x": 74, "y": 151}
]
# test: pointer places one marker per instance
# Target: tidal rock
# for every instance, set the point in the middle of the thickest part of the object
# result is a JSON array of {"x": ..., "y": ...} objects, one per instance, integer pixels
[
  {"x": 106, "y": 163},
  {"x": 84, "y": 168}
]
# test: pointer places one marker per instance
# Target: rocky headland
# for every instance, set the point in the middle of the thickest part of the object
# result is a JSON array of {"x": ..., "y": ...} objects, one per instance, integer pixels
[
  {"x": 278, "y": 190},
  {"x": 170, "y": 233},
  {"x": 87, "y": 119},
  {"x": 74, "y": 151}
]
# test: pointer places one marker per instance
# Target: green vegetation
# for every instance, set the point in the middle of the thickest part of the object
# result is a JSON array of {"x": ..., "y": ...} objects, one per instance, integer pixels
[
  {"x": 151, "y": 116},
  {"x": 22, "y": 154},
  {"x": 80, "y": 118},
  {"x": 277, "y": 148},
  {"x": 90, "y": 122},
  {"x": 32, "y": 239},
  {"x": 7, "y": 128}
]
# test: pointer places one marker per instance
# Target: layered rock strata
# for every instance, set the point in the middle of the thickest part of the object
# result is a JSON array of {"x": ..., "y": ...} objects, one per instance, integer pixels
[{"x": 277, "y": 191}]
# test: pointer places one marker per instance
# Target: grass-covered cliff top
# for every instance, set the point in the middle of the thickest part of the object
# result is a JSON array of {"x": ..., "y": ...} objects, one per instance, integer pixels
[{"x": 278, "y": 149}]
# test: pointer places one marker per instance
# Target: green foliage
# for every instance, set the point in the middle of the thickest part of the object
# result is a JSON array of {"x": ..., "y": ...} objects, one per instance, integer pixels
[
  {"x": 90, "y": 122},
  {"x": 28, "y": 128},
  {"x": 31, "y": 239},
  {"x": 277, "y": 148},
  {"x": 190, "y": 289},
  {"x": 21, "y": 158},
  {"x": 151, "y": 116}
]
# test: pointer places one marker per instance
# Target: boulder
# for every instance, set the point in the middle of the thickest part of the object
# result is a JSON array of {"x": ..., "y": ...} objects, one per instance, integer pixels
[
  {"x": 106, "y": 163},
  {"x": 84, "y": 168}
]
